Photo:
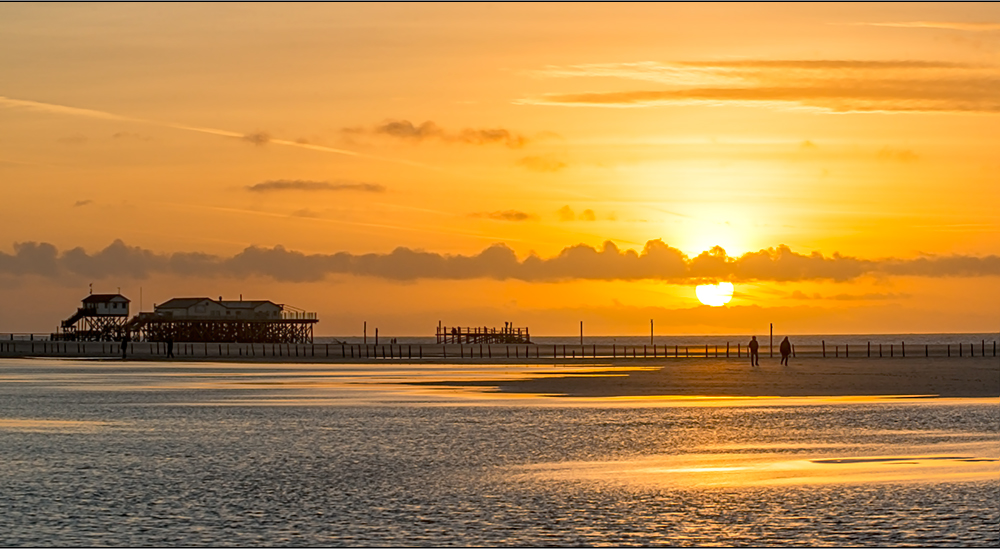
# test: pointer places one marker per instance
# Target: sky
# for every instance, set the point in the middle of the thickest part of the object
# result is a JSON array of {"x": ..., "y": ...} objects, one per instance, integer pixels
[{"x": 475, "y": 164}]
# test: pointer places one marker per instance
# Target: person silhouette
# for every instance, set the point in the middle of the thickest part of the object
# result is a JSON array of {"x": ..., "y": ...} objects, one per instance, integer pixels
[
  {"x": 125, "y": 341},
  {"x": 754, "y": 358},
  {"x": 170, "y": 346},
  {"x": 786, "y": 350}
]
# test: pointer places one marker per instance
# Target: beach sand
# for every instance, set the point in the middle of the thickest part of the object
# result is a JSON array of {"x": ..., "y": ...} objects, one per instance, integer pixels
[{"x": 944, "y": 377}]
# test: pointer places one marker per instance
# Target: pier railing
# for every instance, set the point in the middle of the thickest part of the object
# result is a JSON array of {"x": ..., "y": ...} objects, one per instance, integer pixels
[{"x": 18, "y": 345}]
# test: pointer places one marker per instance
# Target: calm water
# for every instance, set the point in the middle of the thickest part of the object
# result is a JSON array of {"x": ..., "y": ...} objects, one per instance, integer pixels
[{"x": 99, "y": 453}]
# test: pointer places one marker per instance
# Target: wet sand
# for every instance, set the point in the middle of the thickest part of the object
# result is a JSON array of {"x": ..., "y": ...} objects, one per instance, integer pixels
[{"x": 944, "y": 377}]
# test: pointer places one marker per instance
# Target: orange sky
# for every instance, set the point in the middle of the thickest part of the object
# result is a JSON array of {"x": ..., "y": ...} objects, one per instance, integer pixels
[{"x": 497, "y": 139}]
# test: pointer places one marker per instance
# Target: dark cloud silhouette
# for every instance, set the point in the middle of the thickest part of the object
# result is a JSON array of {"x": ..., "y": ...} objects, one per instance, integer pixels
[
  {"x": 404, "y": 129},
  {"x": 656, "y": 261},
  {"x": 305, "y": 185},
  {"x": 588, "y": 215},
  {"x": 507, "y": 215},
  {"x": 258, "y": 138}
]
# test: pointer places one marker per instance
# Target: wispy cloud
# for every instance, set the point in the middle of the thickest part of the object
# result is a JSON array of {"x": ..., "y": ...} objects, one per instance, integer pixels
[
  {"x": 79, "y": 203},
  {"x": 541, "y": 163},
  {"x": 950, "y": 25},
  {"x": 256, "y": 138},
  {"x": 506, "y": 215},
  {"x": 313, "y": 186},
  {"x": 828, "y": 85},
  {"x": 656, "y": 261},
  {"x": 404, "y": 129}
]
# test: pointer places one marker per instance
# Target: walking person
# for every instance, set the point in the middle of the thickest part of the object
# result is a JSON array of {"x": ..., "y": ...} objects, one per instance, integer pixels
[
  {"x": 786, "y": 350},
  {"x": 753, "y": 345}
]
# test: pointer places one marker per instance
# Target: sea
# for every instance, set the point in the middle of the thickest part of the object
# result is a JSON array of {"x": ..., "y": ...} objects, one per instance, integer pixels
[{"x": 110, "y": 453}]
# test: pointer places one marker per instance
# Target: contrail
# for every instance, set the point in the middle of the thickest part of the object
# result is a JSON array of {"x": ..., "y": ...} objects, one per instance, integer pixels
[{"x": 91, "y": 113}]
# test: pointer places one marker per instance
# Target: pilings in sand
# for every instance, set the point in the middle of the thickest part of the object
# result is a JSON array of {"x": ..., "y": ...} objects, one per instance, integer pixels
[{"x": 347, "y": 352}]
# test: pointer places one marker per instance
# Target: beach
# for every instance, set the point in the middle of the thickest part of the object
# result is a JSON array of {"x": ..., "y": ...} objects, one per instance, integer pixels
[{"x": 944, "y": 377}]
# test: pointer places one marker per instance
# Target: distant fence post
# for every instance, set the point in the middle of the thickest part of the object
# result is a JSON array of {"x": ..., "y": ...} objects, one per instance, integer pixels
[{"x": 824, "y": 348}]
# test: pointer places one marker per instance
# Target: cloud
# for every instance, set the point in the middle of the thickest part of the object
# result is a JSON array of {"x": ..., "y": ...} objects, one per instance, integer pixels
[
  {"x": 313, "y": 186},
  {"x": 566, "y": 214},
  {"x": 258, "y": 138},
  {"x": 79, "y": 203},
  {"x": 656, "y": 261},
  {"x": 404, "y": 129},
  {"x": 825, "y": 85},
  {"x": 950, "y": 25},
  {"x": 849, "y": 297},
  {"x": 588, "y": 215},
  {"x": 541, "y": 163},
  {"x": 507, "y": 215}
]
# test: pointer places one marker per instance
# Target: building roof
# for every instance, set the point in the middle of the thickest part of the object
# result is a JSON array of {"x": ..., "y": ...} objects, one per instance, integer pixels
[
  {"x": 181, "y": 302},
  {"x": 103, "y": 298},
  {"x": 246, "y": 304},
  {"x": 185, "y": 302}
]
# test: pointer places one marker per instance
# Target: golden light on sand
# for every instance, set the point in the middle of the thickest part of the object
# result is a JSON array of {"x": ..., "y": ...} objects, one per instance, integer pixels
[{"x": 715, "y": 295}]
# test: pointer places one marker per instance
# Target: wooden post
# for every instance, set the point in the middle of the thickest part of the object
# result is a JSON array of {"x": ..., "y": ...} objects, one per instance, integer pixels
[
  {"x": 771, "y": 345},
  {"x": 891, "y": 353},
  {"x": 880, "y": 350},
  {"x": 643, "y": 351},
  {"x": 581, "y": 332},
  {"x": 824, "y": 348},
  {"x": 793, "y": 351},
  {"x": 676, "y": 354},
  {"x": 651, "y": 331},
  {"x": 949, "y": 350},
  {"x": 727, "y": 349},
  {"x": 869, "y": 349},
  {"x": 847, "y": 350},
  {"x": 902, "y": 346},
  {"x": 366, "y": 333},
  {"x": 706, "y": 350},
  {"x": 959, "y": 349}
]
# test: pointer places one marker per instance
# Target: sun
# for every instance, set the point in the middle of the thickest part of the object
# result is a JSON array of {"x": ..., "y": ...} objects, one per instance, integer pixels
[{"x": 715, "y": 295}]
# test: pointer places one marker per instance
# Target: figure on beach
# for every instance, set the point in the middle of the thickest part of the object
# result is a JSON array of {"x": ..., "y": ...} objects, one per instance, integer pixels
[
  {"x": 125, "y": 340},
  {"x": 754, "y": 358},
  {"x": 170, "y": 346},
  {"x": 786, "y": 350}
]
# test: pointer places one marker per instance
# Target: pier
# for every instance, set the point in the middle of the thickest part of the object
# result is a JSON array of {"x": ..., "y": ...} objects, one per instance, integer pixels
[{"x": 508, "y": 335}]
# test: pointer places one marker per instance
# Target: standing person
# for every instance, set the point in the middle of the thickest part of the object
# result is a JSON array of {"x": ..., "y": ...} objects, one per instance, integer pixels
[
  {"x": 125, "y": 340},
  {"x": 754, "y": 358},
  {"x": 786, "y": 350},
  {"x": 170, "y": 346}
]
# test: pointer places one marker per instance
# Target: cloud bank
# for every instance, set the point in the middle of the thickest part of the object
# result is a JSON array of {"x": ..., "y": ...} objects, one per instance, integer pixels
[
  {"x": 829, "y": 85},
  {"x": 656, "y": 261}
]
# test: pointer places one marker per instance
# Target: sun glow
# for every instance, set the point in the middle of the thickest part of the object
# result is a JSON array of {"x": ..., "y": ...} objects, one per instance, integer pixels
[{"x": 715, "y": 295}]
